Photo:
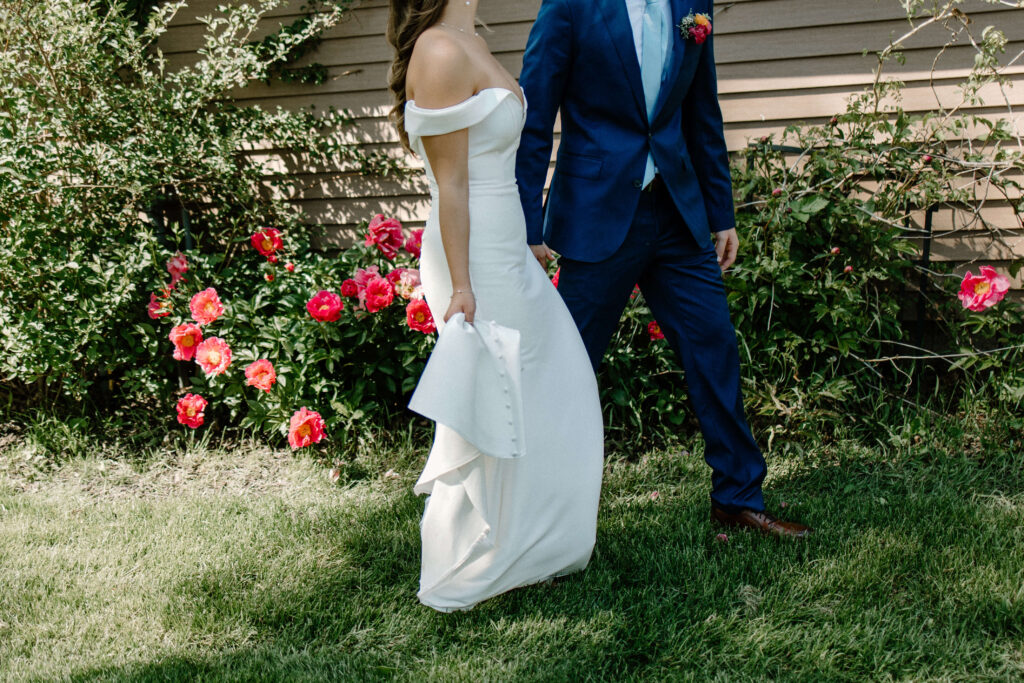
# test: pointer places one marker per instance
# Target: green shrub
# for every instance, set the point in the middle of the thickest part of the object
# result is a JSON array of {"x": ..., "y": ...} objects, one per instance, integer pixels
[
  {"x": 825, "y": 336},
  {"x": 109, "y": 165},
  {"x": 108, "y": 159}
]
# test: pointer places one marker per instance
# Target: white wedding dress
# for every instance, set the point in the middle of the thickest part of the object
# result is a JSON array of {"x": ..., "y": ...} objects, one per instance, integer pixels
[{"x": 513, "y": 478}]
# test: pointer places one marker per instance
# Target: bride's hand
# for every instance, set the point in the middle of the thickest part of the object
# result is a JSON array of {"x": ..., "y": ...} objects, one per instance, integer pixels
[{"x": 462, "y": 302}]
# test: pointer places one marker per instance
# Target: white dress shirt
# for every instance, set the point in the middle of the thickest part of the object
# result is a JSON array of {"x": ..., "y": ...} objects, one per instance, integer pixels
[{"x": 635, "y": 8}]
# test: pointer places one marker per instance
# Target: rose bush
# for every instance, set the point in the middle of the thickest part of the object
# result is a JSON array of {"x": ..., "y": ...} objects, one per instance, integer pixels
[{"x": 292, "y": 338}]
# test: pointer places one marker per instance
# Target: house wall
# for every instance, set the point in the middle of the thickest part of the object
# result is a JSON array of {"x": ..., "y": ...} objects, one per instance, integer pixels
[{"x": 779, "y": 62}]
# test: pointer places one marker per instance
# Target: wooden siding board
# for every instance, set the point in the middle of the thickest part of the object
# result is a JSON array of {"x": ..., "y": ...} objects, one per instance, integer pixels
[{"x": 779, "y": 62}]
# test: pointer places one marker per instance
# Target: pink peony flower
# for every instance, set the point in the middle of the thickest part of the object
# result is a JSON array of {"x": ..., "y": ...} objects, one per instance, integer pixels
[
  {"x": 379, "y": 294},
  {"x": 158, "y": 308},
  {"x": 418, "y": 317},
  {"x": 269, "y": 277},
  {"x": 361, "y": 279},
  {"x": 554, "y": 280},
  {"x": 777, "y": 191},
  {"x": 848, "y": 269},
  {"x": 349, "y": 288},
  {"x": 414, "y": 245},
  {"x": 364, "y": 275},
  {"x": 206, "y": 306},
  {"x": 394, "y": 275},
  {"x": 723, "y": 538},
  {"x": 325, "y": 307},
  {"x": 386, "y": 233},
  {"x": 654, "y": 330},
  {"x": 978, "y": 292},
  {"x": 834, "y": 251},
  {"x": 177, "y": 266},
  {"x": 186, "y": 338},
  {"x": 290, "y": 267},
  {"x": 260, "y": 374},
  {"x": 214, "y": 356},
  {"x": 305, "y": 428},
  {"x": 190, "y": 410},
  {"x": 405, "y": 281},
  {"x": 267, "y": 241}
]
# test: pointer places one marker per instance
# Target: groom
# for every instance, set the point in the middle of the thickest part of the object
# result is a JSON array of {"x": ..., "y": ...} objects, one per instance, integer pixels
[{"x": 641, "y": 182}]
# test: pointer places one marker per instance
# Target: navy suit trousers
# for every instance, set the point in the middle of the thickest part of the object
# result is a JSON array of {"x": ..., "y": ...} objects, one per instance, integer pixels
[{"x": 682, "y": 283}]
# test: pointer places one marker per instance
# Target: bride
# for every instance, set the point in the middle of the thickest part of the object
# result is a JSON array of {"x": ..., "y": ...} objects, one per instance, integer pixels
[{"x": 512, "y": 501}]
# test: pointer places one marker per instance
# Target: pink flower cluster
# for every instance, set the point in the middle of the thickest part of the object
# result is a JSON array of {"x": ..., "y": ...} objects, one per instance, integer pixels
[
  {"x": 160, "y": 304},
  {"x": 374, "y": 293},
  {"x": 386, "y": 235},
  {"x": 213, "y": 354},
  {"x": 372, "y": 290}
]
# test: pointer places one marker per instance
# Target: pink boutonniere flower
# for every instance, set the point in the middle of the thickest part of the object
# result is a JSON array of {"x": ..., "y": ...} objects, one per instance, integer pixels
[{"x": 696, "y": 26}]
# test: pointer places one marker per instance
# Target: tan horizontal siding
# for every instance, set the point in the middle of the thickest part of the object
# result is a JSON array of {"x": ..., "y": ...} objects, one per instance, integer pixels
[{"x": 779, "y": 62}]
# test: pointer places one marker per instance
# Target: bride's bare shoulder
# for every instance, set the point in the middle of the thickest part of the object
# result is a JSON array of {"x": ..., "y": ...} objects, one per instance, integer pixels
[{"x": 441, "y": 70}]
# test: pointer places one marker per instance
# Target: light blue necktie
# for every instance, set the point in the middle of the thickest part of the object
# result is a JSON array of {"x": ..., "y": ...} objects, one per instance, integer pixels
[{"x": 652, "y": 47}]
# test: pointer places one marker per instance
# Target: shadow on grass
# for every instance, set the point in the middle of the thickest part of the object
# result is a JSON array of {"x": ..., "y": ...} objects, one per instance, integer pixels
[{"x": 915, "y": 572}]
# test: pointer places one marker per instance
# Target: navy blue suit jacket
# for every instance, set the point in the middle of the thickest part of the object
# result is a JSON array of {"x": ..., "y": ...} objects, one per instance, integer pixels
[{"x": 581, "y": 59}]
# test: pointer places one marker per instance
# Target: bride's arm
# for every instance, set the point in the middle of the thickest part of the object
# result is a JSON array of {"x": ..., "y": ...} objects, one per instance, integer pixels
[{"x": 441, "y": 77}]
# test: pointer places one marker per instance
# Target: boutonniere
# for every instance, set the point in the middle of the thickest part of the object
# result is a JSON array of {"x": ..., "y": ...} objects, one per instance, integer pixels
[{"x": 696, "y": 26}]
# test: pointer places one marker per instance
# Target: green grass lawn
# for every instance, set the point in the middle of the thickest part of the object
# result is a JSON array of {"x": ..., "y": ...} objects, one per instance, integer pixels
[{"x": 251, "y": 564}]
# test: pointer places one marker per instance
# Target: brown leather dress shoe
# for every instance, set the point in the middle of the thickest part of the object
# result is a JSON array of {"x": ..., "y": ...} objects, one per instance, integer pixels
[{"x": 762, "y": 521}]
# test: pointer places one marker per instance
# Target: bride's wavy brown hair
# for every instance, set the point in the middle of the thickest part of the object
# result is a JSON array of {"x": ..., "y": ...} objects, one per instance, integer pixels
[{"x": 407, "y": 20}]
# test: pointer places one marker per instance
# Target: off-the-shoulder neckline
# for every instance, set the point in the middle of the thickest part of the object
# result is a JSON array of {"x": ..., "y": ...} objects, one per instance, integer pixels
[{"x": 476, "y": 94}]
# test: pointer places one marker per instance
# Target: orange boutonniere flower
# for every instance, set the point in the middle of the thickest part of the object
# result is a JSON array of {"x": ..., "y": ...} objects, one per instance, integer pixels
[{"x": 696, "y": 26}]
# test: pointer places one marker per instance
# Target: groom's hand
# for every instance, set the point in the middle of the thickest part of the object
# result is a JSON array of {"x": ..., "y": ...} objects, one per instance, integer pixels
[
  {"x": 542, "y": 253},
  {"x": 727, "y": 243}
]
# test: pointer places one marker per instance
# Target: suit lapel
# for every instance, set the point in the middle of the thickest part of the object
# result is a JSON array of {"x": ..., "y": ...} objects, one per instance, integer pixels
[
  {"x": 616, "y": 19},
  {"x": 680, "y": 8}
]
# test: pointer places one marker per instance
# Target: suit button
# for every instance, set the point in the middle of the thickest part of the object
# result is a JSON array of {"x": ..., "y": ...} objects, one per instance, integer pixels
[
  {"x": 638, "y": 183},
  {"x": 650, "y": 135}
]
